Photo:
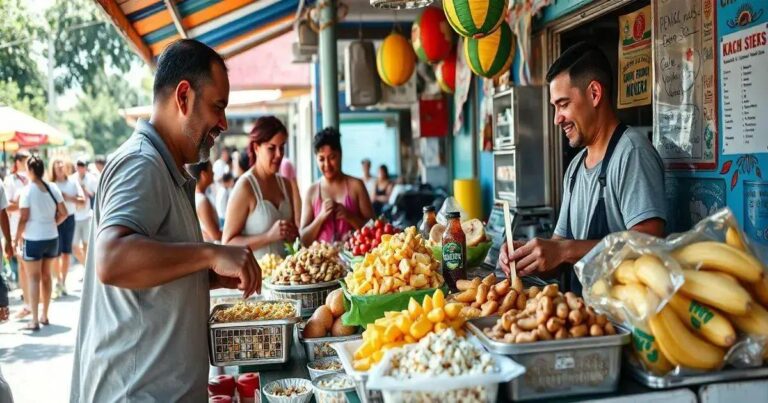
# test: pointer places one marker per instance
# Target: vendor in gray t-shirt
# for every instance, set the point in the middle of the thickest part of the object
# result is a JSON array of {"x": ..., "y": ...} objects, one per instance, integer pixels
[
  {"x": 145, "y": 302},
  {"x": 632, "y": 197}
]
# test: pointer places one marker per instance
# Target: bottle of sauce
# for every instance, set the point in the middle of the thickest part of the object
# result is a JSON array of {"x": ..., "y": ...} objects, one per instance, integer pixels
[
  {"x": 429, "y": 221},
  {"x": 454, "y": 251}
]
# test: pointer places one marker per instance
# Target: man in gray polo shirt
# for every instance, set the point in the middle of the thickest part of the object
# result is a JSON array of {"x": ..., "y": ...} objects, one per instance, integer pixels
[
  {"x": 616, "y": 183},
  {"x": 142, "y": 334}
]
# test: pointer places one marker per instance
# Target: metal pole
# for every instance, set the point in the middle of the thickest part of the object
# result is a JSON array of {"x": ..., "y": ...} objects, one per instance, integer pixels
[{"x": 329, "y": 85}]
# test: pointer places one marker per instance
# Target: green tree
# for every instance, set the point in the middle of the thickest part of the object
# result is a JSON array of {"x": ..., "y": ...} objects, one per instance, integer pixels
[{"x": 21, "y": 82}]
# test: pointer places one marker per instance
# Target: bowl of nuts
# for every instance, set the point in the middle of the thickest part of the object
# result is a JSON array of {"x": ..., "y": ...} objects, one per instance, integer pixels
[
  {"x": 289, "y": 390},
  {"x": 333, "y": 388},
  {"x": 323, "y": 366}
]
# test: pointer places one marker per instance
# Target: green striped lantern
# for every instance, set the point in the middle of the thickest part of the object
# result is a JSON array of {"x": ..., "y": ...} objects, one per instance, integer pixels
[
  {"x": 475, "y": 18},
  {"x": 491, "y": 55}
]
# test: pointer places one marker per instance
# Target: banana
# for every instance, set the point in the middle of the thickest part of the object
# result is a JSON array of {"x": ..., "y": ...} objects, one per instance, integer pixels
[
  {"x": 714, "y": 290},
  {"x": 640, "y": 301},
  {"x": 473, "y": 231},
  {"x": 733, "y": 238},
  {"x": 436, "y": 233},
  {"x": 712, "y": 255},
  {"x": 625, "y": 273},
  {"x": 703, "y": 320},
  {"x": 647, "y": 349},
  {"x": 681, "y": 346},
  {"x": 651, "y": 271},
  {"x": 754, "y": 322},
  {"x": 760, "y": 290}
]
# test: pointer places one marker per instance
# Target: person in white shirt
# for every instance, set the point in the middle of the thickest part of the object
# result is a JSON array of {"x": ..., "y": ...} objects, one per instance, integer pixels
[
  {"x": 222, "y": 196},
  {"x": 42, "y": 209},
  {"x": 368, "y": 180},
  {"x": 74, "y": 199},
  {"x": 88, "y": 182},
  {"x": 206, "y": 213},
  {"x": 221, "y": 165},
  {"x": 14, "y": 184}
]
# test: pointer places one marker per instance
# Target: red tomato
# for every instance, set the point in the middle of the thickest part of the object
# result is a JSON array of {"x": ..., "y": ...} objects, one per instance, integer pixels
[
  {"x": 357, "y": 251},
  {"x": 389, "y": 229},
  {"x": 378, "y": 237},
  {"x": 376, "y": 243},
  {"x": 364, "y": 249},
  {"x": 366, "y": 231},
  {"x": 378, "y": 224}
]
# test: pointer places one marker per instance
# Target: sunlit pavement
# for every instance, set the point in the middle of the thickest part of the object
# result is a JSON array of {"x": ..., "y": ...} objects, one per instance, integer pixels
[{"x": 38, "y": 365}]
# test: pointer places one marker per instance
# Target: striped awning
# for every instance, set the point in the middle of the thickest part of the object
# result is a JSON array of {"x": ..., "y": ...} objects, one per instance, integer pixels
[{"x": 229, "y": 26}]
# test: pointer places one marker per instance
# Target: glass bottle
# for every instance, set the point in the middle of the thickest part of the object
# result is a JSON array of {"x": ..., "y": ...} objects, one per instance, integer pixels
[
  {"x": 429, "y": 221},
  {"x": 454, "y": 251}
]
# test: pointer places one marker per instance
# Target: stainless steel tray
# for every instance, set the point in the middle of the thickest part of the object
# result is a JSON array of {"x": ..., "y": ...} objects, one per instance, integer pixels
[
  {"x": 559, "y": 368},
  {"x": 251, "y": 342},
  {"x": 676, "y": 381},
  {"x": 320, "y": 347}
]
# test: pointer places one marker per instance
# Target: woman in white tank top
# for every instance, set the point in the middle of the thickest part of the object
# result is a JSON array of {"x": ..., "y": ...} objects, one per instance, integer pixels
[{"x": 264, "y": 207}]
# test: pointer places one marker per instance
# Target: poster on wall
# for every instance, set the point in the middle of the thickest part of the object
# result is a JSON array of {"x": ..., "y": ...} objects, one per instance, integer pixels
[
  {"x": 744, "y": 86},
  {"x": 684, "y": 94},
  {"x": 756, "y": 211},
  {"x": 635, "y": 79}
]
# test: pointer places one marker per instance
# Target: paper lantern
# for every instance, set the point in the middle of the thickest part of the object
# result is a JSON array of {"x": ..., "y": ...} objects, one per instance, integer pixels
[
  {"x": 395, "y": 60},
  {"x": 431, "y": 35},
  {"x": 445, "y": 72},
  {"x": 475, "y": 18},
  {"x": 491, "y": 55}
]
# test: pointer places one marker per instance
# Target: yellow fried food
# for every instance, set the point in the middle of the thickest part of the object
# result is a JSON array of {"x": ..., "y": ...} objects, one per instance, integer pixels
[
  {"x": 268, "y": 263},
  {"x": 245, "y": 311},
  {"x": 402, "y": 262}
]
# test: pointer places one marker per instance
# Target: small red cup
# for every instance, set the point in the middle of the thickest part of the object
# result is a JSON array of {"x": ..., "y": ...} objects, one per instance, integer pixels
[
  {"x": 220, "y": 399},
  {"x": 221, "y": 385},
  {"x": 247, "y": 384}
]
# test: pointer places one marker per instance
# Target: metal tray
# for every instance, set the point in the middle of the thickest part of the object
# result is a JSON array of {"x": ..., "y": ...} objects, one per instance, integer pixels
[
  {"x": 250, "y": 342},
  {"x": 310, "y": 295},
  {"x": 559, "y": 368},
  {"x": 676, "y": 381},
  {"x": 320, "y": 347}
]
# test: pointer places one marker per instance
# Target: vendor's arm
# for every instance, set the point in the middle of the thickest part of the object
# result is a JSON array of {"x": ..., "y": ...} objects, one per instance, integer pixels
[
  {"x": 295, "y": 202},
  {"x": 241, "y": 203},
  {"x": 364, "y": 207},
  {"x": 310, "y": 223}
]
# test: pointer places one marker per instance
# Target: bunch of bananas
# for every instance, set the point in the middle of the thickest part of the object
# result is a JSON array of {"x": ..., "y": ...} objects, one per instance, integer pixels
[{"x": 725, "y": 291}]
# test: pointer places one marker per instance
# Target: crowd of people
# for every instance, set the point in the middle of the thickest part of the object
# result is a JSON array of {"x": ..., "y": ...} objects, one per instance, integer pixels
[{"x": 45, "y": 219}]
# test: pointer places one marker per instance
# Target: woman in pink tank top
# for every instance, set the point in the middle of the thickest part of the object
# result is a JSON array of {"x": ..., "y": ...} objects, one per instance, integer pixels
[{"x": 336, "y": 204}]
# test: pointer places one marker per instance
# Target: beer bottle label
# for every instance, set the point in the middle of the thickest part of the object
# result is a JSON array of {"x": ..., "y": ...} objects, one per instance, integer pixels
[{"x": 452, "y": 256}]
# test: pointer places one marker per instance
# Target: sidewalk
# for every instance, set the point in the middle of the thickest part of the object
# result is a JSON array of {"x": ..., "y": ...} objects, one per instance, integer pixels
[{"x": 38, "y": 366}]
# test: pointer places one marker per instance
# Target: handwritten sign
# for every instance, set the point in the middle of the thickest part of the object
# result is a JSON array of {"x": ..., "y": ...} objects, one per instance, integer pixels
[
  {"x": 685, "y": 102},
  {"x": 635, "y": 79},
  {"x": 744, "y": 85}
]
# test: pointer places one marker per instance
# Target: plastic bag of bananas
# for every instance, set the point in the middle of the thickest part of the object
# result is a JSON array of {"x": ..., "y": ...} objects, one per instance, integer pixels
[{"x": 695, "y": 301}]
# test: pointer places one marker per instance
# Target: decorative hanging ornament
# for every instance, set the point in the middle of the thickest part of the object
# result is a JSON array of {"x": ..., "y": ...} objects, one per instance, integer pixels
[
  {"x": 431, "y": 35},
  {"x": 400, "y": 4},
  {"x": 395, "y": 60},
  {"x": 445, "y": 72},
  {"x": 491, "y": 55},
  {"x": 475, "y": 18}
]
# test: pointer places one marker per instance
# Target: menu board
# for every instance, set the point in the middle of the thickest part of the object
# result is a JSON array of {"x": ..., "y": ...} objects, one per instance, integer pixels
[
  {"x": 635, "y": 59},
  {"x": 685, "y": 99},
  {"x": 744, "y": 85}
]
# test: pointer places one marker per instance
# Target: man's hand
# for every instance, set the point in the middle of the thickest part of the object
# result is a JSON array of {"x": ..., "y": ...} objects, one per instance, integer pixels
[
  {"x": 236, "y": 267},
  {"x": 504, "y": 255},
  {"x": 9, "y": 249},
  {"x": 538, "y": 256}
]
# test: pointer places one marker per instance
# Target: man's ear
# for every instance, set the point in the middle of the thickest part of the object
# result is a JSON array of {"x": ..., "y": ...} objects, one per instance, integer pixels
[
  {"x": 184, "y": 96},
  {"x": 596, "y": 92}
]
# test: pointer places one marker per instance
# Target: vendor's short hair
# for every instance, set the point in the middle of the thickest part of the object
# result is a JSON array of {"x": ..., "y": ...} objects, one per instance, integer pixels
[
  {"x": 328, "y": 137},
  {"x": 185, "y": 59},
  {"x": 584, "y": 63}
]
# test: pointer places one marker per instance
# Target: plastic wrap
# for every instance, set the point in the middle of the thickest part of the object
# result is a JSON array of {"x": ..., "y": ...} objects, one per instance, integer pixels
[
  {"x": 695, "y": 307},
  {"x": 449, "y": 205}
]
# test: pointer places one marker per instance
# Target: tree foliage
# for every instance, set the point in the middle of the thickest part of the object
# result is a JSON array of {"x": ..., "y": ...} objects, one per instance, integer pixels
[{"x": 21, "y": 82}]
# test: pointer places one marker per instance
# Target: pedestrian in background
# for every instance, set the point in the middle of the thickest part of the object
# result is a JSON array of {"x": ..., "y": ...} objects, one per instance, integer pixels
[
  {"x": 42, "y": 210},
  {"x": 73, "y": 200},
  {"x": 14, "y": 184},
  {"x": 88, "y": 182},
  {"x": 206, "y": 213}
]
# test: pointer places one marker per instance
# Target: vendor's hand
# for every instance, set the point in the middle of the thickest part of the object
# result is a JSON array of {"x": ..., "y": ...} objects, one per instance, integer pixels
[
  {"x": 288, "y": 230},
  {"x": 5, "y": 312},
  {"x": 504, "y": 255},
  {"x": 239, "y": 268},
  {"x": 538, "y": 256},
  {"x": 217, "y": 281}
]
